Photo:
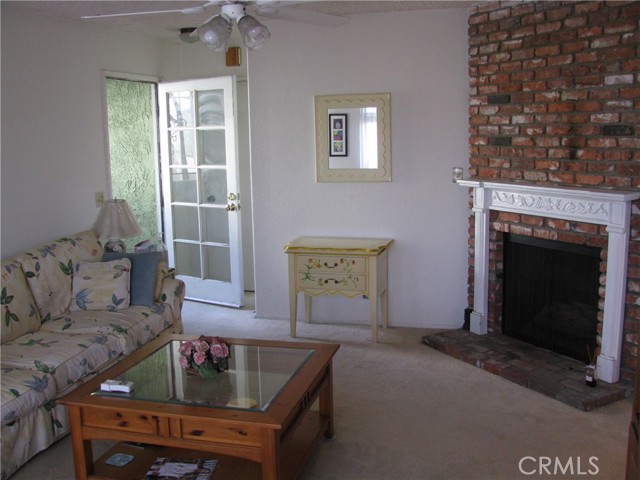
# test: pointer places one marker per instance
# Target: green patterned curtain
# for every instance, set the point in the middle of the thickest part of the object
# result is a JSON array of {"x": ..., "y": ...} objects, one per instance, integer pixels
[{"x": 130, "y": 108}]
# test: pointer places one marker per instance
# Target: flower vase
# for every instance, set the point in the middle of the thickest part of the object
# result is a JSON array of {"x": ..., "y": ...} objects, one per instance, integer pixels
[{"x": 207, "y": 370}]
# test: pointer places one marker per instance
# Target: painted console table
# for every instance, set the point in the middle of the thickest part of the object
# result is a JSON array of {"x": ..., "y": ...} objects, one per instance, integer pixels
[{"x": 339, "y": 266}]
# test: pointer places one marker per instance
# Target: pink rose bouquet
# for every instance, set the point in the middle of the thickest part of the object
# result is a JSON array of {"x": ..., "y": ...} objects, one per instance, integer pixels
[{"x": 207, "y": 355}]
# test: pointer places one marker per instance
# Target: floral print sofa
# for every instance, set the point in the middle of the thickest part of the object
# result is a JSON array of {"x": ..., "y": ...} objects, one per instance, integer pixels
[{"x": 67, "y": 314}]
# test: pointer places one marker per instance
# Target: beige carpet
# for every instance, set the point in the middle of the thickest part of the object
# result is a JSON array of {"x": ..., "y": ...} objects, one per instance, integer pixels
[{"x": 404, "y": 411}]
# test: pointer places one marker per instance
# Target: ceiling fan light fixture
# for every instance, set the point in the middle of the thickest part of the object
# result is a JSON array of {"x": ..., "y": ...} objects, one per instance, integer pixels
[
  {"x": 254, "y": 34},
  {"x": 215, "y": 33}
]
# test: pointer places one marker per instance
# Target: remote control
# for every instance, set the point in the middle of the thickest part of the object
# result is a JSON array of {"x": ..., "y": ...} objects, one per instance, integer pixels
[{"x": 117, "y": 386}]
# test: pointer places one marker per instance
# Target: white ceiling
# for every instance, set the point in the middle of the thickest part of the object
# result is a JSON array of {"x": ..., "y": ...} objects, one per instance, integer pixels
[{"x": 167, "y": 25}]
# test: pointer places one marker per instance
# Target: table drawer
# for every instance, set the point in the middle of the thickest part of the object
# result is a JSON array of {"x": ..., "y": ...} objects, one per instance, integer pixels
[
  {"x": 203, "y": 431},
  {"x": 332, "y": 282},
  {"x": 330, "y": 263},
  {"x": 122, "y": 421}
]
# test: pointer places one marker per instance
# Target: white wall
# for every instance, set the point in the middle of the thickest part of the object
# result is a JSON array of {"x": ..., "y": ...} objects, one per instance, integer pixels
[
  {"x": 53, "y": 143},
  {"x": 54, "y": 159},
  {"x": 421, "y": 59},
  {"x": 181, "y": 61},
  {"x": 54, "y": 155}
]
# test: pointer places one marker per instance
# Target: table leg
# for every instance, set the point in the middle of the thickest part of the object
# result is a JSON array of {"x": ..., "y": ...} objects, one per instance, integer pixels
[
  {"x": 374, "y": 319},
  {"x": 384, "y": 301},
  {"x": 270, "y": 455},
  {"x": 293, "y": 297},
  {"x": 82, "y": 449},
  {"x": 373, "y": 297},
  {"x": 293, "y": 312},
  {"x": 307, "y": 308},
  {"x": 326, "y": 403}
]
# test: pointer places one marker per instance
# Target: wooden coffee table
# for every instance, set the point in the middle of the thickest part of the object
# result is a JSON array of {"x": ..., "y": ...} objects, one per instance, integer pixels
[{"x": 269, "y": 409}]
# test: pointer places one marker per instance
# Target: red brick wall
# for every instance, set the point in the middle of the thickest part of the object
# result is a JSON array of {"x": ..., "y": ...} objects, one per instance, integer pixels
[{"x": 554, "y": 99}]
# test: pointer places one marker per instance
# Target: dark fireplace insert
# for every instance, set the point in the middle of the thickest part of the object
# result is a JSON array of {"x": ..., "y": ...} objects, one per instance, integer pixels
[{"x": 550, "y": 294}]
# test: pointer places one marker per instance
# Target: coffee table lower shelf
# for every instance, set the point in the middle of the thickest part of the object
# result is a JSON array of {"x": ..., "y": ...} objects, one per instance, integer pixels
[
  {"x": 295, "y": 450},
  {"x": 143, "y": 458}
]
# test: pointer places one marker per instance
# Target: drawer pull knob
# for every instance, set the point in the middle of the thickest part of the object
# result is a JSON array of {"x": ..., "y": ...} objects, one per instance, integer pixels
[
  {"x": 331, "y": 266},
  {"x": 197, "y": 433}
]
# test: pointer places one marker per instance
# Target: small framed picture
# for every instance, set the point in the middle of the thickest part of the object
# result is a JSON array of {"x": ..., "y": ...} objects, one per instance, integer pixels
[{"x": 338, "y": 135}]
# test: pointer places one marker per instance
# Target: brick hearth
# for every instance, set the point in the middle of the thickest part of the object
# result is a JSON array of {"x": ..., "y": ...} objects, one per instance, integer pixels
[{"x": 553, "y": 375}]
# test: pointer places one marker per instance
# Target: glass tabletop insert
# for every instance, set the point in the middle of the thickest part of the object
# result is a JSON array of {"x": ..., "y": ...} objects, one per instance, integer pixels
[{"x": 255, "y": 377}]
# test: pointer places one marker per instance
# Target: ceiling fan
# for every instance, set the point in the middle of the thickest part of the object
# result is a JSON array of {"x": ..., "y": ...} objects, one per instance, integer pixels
[{"x": 215, "y": 32}]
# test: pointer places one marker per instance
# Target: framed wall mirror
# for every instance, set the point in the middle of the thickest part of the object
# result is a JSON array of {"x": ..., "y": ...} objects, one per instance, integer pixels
[{"x": 353, "y": 137}]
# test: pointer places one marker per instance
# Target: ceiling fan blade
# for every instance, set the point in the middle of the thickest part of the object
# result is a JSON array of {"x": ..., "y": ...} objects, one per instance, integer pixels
[
  {"x": 153, "y": 12},
  {"x": 188, "y": 10},
  {"x": 299, "y": 15}
]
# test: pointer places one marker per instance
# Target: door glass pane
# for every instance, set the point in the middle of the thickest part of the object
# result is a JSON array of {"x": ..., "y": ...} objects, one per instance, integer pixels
[
  {"x": 182, "y": 148},
  {"x": 213, "y": 147},
  {"x": 183, "y": 185},
  {"x": 211, "y": 107},
  {"x": 214, "y": 186},
  {"x": 185, "y": 222},
  {"x": 217, "y": 264},
  {"x": 215, "y": 225},
  {"x": 181, "y": 112},
  {"x": 188, "y": 258}
]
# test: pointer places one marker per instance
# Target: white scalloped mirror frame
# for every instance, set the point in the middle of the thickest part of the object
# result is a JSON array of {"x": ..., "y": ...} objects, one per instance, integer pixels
[{"x": 323, "y": 105}]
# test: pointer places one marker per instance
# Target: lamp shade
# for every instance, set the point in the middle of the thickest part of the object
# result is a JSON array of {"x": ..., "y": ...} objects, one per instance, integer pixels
[
  {"x": 254, "y": 34},
  {"x": 215, "y": 33},
  {"x": 115, "y": 222}
]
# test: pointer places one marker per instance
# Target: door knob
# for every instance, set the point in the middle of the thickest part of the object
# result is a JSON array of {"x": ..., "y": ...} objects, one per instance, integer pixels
[
  {"x": 232, "y": 196},
  {"x": 231, "y": 207}
]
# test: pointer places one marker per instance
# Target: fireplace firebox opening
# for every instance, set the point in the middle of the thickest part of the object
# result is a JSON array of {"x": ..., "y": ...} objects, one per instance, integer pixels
[{"x": 551, "y": 295}]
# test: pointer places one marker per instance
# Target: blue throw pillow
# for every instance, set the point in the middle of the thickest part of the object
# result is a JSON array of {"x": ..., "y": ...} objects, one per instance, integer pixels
[{"x": 144, "y": 267}]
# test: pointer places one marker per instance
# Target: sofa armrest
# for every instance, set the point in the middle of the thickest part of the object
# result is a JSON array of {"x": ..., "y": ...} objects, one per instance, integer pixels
[{"x": 172, "y": 293}]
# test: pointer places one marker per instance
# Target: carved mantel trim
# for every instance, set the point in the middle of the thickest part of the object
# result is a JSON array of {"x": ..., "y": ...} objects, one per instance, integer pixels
[{"x": 611, "y": 208}]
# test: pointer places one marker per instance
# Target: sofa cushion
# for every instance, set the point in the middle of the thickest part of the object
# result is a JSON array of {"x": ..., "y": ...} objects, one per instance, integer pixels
[
  {"x": 133, "y": 327},
  {"x": 19, "y": 312},
  {"x": 67, "y": 358},
  {"x": 164, "y": 273},
  {"x": 101, "y": 285},
  {"x": 49, "y": 269},
  {"x": 23, "y": 391},
  {"x": 144, "y": 271}
]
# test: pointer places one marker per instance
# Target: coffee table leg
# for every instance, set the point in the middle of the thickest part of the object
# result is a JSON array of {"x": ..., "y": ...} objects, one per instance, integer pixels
[
  {"x": 270, "y": 455},
  {"x": 82, "y": 449},
  {"x": 326, "y": 403}
]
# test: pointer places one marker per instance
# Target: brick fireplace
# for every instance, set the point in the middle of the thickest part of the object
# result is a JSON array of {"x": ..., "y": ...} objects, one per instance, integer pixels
[
  {"x": 554, "y": 114},
  {"x": 609, "y": 208}
]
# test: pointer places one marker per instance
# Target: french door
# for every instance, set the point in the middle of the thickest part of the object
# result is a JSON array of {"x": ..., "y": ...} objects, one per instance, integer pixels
[{"x": 199, "y": 161}]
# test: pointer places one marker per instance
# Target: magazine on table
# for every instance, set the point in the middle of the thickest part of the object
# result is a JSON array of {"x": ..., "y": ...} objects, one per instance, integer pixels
[{"x": 166, "y": 468}]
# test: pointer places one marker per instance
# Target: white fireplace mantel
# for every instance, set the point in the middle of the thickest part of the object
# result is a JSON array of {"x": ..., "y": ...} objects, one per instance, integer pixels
[{"x": 611, "y": 208}]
